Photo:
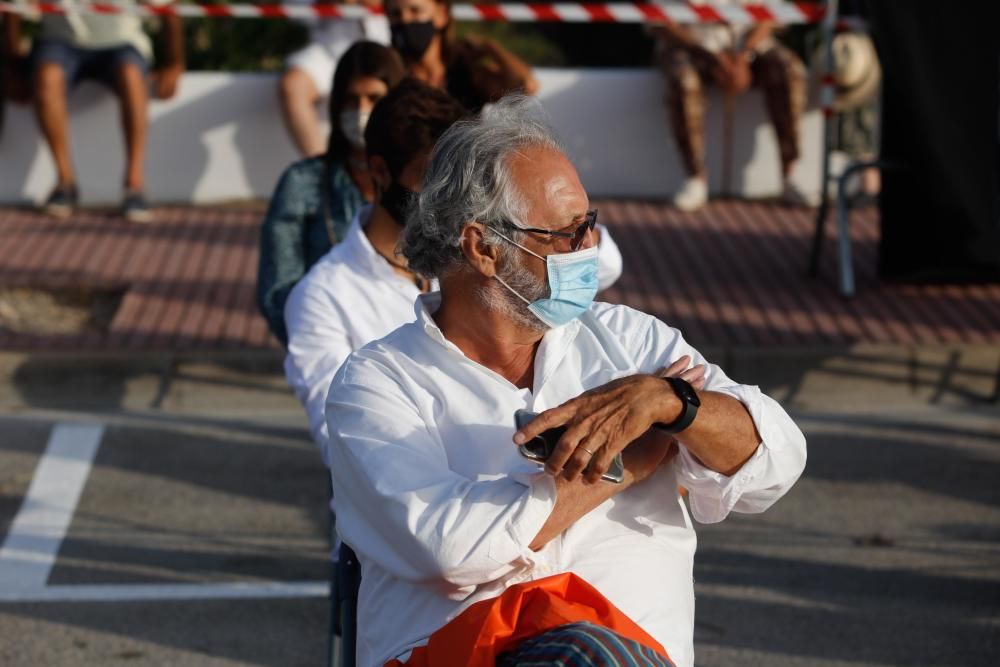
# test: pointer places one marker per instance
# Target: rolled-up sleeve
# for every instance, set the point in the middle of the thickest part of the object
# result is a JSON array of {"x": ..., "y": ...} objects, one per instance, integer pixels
[
  {"x": 400, "y": 505},
  {"x": 772, "y": 469}
]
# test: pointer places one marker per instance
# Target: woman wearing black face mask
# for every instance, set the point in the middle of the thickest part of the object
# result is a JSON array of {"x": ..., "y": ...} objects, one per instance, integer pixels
[
  {"x": 474, "y": 70},
  {"x": 316, "y": 198}
]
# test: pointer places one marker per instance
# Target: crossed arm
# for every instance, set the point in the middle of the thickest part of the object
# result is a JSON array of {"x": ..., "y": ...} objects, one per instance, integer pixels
[
  {"x": 618, "y": 417},
  {"x": 399, "y": 500}
]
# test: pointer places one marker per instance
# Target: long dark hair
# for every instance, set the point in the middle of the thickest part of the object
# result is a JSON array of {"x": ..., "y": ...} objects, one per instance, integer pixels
[{"x": 362, "y": 59}]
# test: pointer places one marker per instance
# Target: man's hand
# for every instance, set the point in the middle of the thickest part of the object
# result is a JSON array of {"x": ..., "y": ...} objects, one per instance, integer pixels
[
  {"x": 732, "y": 71},
  {"x": 575, "y": 499},
  {"x": 695, "y": 376},
  {"x": 602, "y": 422},
  {"x": 165, "y": 81},
  {"x": 653, "y": 449}
]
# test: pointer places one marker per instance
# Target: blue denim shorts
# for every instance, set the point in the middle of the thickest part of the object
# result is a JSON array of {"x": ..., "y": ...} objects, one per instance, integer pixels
[{"x": 79, "y": 64}]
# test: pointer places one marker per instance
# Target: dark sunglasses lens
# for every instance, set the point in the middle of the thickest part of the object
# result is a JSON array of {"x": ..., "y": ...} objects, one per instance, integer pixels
[{"x": 581, "y": 232}]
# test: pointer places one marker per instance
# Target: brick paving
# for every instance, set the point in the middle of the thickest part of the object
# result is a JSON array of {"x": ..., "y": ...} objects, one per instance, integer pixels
[{"x": 730, "y": 275}]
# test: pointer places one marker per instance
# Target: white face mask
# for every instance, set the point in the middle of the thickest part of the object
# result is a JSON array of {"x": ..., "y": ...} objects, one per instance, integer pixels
[{"x": 352, "y": 124}]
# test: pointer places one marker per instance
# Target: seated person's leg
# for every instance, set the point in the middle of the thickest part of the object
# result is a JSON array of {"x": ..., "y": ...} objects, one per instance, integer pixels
[
  {"x": 307, "y": 79},
  {"x": 781, "y": 76},
  {"x": 685, "y": 103},
  {"x": 55, "y": 69},
  {"x": 126, "y": 71},
  {"x": 582, "y": 645}
]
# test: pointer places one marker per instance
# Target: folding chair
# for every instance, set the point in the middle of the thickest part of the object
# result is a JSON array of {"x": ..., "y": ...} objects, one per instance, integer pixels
[
  {"x": 348, "y": 583},
  {"x": 345, "y": 580},
  {"x": 843, "y": 203},
  {"x": 842, "y": 208}
]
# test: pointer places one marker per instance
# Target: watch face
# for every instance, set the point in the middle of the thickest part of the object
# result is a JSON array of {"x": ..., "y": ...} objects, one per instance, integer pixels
[{"x": 686, "y": 391}]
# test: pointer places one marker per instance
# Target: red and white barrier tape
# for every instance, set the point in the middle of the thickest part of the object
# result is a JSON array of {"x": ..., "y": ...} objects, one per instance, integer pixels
[{"x": 561, "y": 12}]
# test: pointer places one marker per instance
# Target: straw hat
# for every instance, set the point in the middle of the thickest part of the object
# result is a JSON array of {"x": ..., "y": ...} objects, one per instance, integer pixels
[{"x": 856, "y": 70}]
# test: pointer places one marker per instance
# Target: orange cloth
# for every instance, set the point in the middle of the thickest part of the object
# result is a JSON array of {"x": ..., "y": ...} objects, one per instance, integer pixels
[{"x": 482, "y": 632}]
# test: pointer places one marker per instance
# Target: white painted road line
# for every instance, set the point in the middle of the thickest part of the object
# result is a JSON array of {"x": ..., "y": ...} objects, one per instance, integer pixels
[
  {"x": 159, "y": 592},
  {"x": 32, "y": 545}
]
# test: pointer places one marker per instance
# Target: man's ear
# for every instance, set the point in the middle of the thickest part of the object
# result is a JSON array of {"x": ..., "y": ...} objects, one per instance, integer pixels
[
  {"x": 379, "y": 170},
  {"x": 481, "y": 257}
]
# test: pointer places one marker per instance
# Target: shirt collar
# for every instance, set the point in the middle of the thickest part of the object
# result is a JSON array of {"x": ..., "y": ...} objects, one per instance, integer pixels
[
  {"x": 551, "y": 350},
  {"x": 362, "y": 253},
  {"x": 424, "y": 307}
]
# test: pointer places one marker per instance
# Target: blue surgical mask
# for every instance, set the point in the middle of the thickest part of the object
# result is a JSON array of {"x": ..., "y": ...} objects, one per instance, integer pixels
[{"x": 572, "y": 285}]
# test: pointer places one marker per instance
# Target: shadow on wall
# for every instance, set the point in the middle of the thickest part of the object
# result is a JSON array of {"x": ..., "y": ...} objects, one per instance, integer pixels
[
  {"x": 248, "y": 155},
  {"x": 195, "y": 151},
  {"x": 223, "y": 138},
  {"x": 619, "y": 136}
]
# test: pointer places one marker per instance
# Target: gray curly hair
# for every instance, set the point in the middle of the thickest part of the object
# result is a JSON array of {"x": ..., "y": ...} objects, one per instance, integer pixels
[{"x": 468, "y": 179}]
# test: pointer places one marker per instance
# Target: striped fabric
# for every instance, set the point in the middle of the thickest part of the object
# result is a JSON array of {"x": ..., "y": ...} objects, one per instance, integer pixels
[{"x": 582, "y": 645}]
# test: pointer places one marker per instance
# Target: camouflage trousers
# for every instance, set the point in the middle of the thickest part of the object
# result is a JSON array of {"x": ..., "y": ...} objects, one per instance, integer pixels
[{"x": 777, "y": 72}]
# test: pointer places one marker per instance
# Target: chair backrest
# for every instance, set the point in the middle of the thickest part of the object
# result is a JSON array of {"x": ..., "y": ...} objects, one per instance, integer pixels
[{"x": 348, "y": 583}]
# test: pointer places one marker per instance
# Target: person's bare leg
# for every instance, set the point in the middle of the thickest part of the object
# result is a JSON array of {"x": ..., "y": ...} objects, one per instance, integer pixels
[
  {"x": 53, "y": 118},
  {"x": 299, "y": 97},
  {"x": 130, "y": 81}
]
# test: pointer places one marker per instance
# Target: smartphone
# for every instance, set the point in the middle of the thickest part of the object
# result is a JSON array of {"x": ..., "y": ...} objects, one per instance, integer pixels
[{"x": 540, "y": 447}]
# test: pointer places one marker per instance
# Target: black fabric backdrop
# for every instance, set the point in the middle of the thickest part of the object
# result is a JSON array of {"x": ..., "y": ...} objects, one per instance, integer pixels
[{"x": 940, "y": 123}]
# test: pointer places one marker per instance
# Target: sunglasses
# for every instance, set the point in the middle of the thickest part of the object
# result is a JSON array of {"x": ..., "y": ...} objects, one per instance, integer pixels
[{"x": 576, "y": 236}]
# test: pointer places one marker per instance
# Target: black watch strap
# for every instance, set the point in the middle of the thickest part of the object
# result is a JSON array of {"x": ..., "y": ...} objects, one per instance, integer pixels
[{"x": 690, "y": 402}]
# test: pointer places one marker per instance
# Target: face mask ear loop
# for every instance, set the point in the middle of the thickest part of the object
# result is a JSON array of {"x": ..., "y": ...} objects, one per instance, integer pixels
[
  {"x": 512, "y": 290},
  {"x": 511, "y": 241},
  {"x": 501, "y": 280}
]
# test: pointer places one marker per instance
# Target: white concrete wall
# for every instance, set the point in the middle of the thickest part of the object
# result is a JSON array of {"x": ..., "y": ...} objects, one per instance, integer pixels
[{"x": 222, "y": 138}]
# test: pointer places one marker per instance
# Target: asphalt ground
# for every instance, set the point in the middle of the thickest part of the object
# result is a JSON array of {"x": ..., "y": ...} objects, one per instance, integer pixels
[{"x": 194, "y": 524}]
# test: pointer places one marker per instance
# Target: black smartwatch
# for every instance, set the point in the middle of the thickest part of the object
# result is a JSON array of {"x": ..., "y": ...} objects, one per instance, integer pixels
[{"x": 689, "y": 401}]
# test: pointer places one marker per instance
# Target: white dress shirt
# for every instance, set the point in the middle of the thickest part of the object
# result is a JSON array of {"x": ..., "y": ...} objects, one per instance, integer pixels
[
  {"x": 350, "y": 297},
  {"x": 433, "y": 496}
]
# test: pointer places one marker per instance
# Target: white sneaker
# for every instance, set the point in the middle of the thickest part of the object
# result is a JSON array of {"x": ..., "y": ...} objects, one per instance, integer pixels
[
  {"x": 692, "y": 195},
  {"x": 792, "y": 195}
]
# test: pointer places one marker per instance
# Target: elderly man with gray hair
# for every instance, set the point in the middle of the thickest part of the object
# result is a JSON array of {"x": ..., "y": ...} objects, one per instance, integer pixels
[{"x": 470, "y": 551}]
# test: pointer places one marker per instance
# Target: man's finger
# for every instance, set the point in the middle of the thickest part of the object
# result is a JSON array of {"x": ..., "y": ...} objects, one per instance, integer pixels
[
  {"x": 577, "y": 446},
  {"x": 551, "y": 418},
  {"x": 677, "y": 367},
  {"x": 694, "y": 376},
  {"x": 600, "y": 463},
  {"x": 607, "y": 441},
  {"x": 598, "y": 442},
  {"x": 578, "y": 462},
  {"x": 693, "y": 373},
  {"x": 565, "y": 450}
]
